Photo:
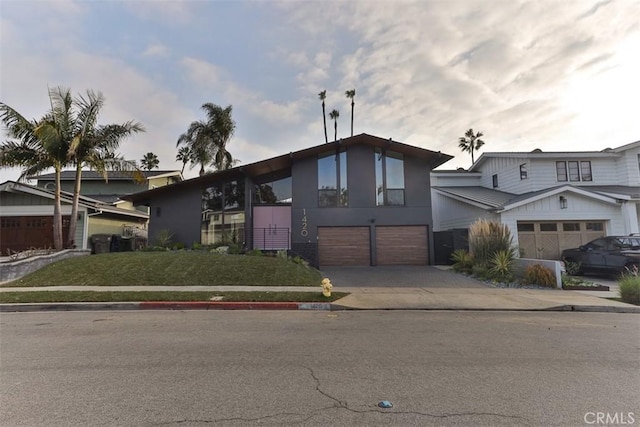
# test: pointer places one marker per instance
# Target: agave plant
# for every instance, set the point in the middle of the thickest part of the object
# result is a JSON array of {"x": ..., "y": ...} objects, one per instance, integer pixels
[
  {"x": 501, "y": 265},
  {"x": 462, "y": 261}
]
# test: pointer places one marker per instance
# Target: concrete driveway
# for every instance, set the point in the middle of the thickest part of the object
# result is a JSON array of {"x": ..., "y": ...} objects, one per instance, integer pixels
[{"x": 398, "y": 277}]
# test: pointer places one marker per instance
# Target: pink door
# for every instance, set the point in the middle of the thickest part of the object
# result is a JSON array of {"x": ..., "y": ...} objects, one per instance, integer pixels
[{"x": 271, "y": 227}]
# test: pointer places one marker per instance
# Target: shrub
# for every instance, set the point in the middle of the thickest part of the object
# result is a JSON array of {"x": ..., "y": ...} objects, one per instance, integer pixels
[
  {"x": 486, "y": 238},
  {"x": 572, "y": 268},
  {"x": 196, "y": 246},
  {"x": 163, "y": 238},
  {"x": 299, "y": 260},
  {"x": 481, "y": 271},
  {"x": 630, "y": 288},
  {"x": 538, "y": 274},
  {"x": 501, "y": 265},
  {"x": 254, "y": 252},
  {"x": 178, "y": 246},
  {"x": 235, "y": 249},
  {"x": 462, "y": 261},
  {"x": 282, "y": 254}
]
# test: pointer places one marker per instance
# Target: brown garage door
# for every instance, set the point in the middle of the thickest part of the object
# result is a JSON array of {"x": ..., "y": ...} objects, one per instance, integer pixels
[
  {"x": 19, "y": 233},
  {"x": 344, "y": 246},
  {"x": 402, "y": 245}
]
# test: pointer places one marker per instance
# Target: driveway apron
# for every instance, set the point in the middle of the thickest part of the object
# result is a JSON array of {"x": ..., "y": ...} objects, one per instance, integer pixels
[{"x": 398, "y": 277}]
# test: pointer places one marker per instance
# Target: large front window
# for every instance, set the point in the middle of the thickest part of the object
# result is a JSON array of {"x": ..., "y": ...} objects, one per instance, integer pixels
[
  {"x": 223, "y": 214},
  {"x": 273, "y": 192},
  {"x": 332, "y": 180},
  {"x": 389, "y": 178}
]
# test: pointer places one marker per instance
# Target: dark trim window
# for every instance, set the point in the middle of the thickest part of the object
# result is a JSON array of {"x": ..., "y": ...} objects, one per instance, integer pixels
[
  {"x": 523, "y": 171},
  {"x": 573, "y": 171},
  {"x": 332, "y": 180},
  {"x": 223, "y": 216},
  {"x": 389, "y": 178},
  {"x": 494, "y": 180}
]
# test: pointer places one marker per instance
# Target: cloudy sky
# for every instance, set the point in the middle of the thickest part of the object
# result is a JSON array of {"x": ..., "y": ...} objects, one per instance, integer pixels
[{"x": 550, "y": 74}]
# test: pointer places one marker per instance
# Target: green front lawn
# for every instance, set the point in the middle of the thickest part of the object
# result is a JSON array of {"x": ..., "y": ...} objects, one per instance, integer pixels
[
  {"x": 176, "y": 268},
  {"x": 93, "y": 296}
]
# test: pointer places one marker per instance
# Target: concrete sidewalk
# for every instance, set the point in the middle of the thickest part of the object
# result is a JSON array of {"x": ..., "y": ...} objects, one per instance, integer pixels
[{"x": 361, "y": 298}]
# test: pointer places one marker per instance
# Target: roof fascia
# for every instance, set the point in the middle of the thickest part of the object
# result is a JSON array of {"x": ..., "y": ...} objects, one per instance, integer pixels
[{"x": 556, "y": 191}]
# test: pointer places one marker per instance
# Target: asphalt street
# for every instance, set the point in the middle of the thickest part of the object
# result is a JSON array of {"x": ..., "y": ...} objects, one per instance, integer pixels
[{"x": 202, "y": 368}]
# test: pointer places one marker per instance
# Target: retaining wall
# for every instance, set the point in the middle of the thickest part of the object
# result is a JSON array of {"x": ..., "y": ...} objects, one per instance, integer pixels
[
  {"x": 554, "y": 266},
  {"x": 16, "y": 269}
]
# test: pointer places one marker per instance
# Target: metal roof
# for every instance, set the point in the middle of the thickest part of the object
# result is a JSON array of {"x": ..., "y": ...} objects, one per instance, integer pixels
[
  {"x": 70, "y": 175},
  {"x": 486, "y": 196}
]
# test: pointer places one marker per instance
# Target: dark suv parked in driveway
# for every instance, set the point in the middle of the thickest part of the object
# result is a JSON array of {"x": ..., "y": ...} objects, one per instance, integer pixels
[{"x": 612, "y": 254}]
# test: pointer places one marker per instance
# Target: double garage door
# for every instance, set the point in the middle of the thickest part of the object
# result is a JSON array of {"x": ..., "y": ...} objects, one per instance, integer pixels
[
  {"x": 547, "y": 239},
  {"x": 394, "y": 245}
]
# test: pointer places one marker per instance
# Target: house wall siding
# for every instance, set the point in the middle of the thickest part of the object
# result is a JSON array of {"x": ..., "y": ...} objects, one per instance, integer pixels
[
  {"x": 628, "y": 168},
  {"x": 180, "y": 213},
  {"x": 508, "y": 171},
  {"x": 453, "y": 213},
  {"x": 362, "y": 209}
]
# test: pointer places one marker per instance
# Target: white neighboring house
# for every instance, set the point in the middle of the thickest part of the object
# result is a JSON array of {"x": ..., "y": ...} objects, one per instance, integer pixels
[{"x": 549, "y": 200}]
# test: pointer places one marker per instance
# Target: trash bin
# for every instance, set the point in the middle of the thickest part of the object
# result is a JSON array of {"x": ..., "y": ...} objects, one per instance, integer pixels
[
  {"x": 116, "y": 244},
  {"x": 100, "y": 243},
  {"x": 126, "y": 244}
]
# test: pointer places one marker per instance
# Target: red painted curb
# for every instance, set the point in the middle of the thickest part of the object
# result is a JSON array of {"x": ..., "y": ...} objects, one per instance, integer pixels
[{"x": 217, "y": 305}]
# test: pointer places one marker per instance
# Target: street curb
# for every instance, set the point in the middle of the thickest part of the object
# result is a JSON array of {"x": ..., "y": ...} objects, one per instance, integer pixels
[
  {"x": 568, "y": 308},
  {"x": 164, "y": 305}
]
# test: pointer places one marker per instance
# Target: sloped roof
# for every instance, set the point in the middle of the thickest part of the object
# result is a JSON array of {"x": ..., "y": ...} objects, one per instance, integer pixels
[
  {"x": 67, "y": 198},
  {"x": 495, "y": 200},
  {"x": 285, "y": 161},
  {"x": 485, "y": 196},
  {"x": 70, "y": 175}
]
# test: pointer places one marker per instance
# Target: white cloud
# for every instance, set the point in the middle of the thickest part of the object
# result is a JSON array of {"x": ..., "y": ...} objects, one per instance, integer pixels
[{"x": 156, "y": 50}]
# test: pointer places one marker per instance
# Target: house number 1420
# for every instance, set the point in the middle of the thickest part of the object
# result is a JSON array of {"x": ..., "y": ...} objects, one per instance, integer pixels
[{"x": 304, "y": 232}]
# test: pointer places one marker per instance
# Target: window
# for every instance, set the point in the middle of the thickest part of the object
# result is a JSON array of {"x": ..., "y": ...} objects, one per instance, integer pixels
[
  {"x": 223, "y": 213},
  {"x": 523, "y": 171},
  {"x": 273, "y": 192},
  {"x": 525, "y": 226},
  {"x": 389, "y": 178},
  {"x": 494, "y": 178},
  {"x": 549, "y": 226},
  {"x": 332, "y": 175},
  {"x": 573, "y": 171},
  {"x": 595, "y": 226},
  {"x": 571, "y": 226}
]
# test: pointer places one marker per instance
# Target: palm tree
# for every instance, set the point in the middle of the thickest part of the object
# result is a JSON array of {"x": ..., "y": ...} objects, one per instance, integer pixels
[
  {"x": 184, "y": 156},
  {"x": 323, "y": 95},
  {"x": 351, "y": 94},
  {"x": 334, "y": 114},
  {"x": 149, "y": 161},
  {"x": 93, "y": 145},
  {"x": 36, "y": 146},
  {"x": 207, "y": 140},
  {"x": 470, "y": 143}
]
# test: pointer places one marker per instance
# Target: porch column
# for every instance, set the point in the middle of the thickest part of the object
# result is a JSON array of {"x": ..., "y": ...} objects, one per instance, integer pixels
[{"x": 630, "y": 217}]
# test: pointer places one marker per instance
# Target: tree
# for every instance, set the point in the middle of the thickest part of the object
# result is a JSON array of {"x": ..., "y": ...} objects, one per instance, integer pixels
[
  {"x": 184, "y": 156},
  {"x": 149, "y": 161},
  {"x": 92, "y": 145},
  {"x": 334, "y": 114},
  {"x": 351, "y": 94},
  {"x": 323, "y": 95},
  {"x": 470, "y": 143},
  {"x": 36, "y": 146},
  {"x": 207, "y": 140}
]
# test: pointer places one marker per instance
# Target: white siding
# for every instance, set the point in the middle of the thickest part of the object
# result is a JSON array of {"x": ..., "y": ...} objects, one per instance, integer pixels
[
  {"x": 602, "y": 170},
  {"x": 449, "y": 213},
  {"x": 455, "y": 180},
  {"x": 508, "y": 171},
  {"x": 578, "y": 208},
  {"x": 628, "y": 168}
]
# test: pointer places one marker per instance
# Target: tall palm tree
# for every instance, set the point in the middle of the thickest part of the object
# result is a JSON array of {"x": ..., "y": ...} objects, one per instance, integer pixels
[
  {"x": 323, "y": 95},
  {"x": 207, "y": 140},
  {"x": 470, "y": 143},
  {"x": 334, "y": 114},
  {"x": 36, "y": 146},
  {"x": 149, "y": 161},
  {"x": 351, "y": 94},
  {"x": 93, "y": 145},
  {"x": 184, "y": 156}
]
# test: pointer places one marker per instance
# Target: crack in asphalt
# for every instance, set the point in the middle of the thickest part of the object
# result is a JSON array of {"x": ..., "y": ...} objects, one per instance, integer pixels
[{"x": 340, "y": 404}]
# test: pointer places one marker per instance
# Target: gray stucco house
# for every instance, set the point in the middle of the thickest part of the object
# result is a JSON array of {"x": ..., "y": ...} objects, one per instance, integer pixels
[{"x": 362, "y": 200}]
